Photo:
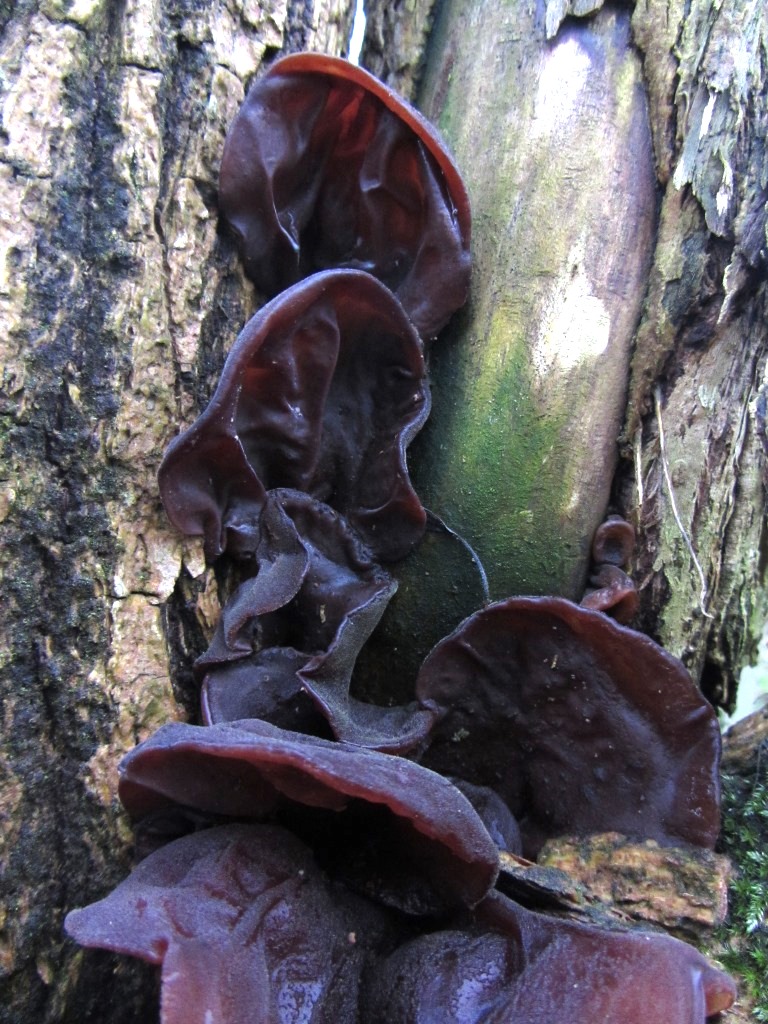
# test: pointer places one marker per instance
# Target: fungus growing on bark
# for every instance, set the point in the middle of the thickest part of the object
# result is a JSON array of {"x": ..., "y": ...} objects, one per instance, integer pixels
[
  {"x": 580, "y": 724},
  {"x": 407, "y": 837},
  {"x": 288, "y": 638},
  {"x": 322, "y": 392},
  {"x": 246, "y": 927},
  {"x": 326, "y": 167},
  {"x": 515, "y": 965},
  {"x": 610, "y": 589},
  {"x": 553, "y": 718},
  {"x": 614, "y": 542}
]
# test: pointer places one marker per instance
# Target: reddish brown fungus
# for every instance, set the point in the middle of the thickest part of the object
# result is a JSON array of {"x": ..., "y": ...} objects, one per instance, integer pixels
[
  {"x": 611, "y": 591},
  {"x": 554, "y": 719},
  {"x": 246, "y": 927},
  {"x": 322, "y": 392},
  {"x": 410, "y": 838},
  {"x": 514, "y": 965},
  {"x": 326, "y": 167},
  {"x": 296, "y": 629},
  {"x": 264, "y": 686},
  {"x": 614, "y": 542},
  {"x": 580, "y": 724}
]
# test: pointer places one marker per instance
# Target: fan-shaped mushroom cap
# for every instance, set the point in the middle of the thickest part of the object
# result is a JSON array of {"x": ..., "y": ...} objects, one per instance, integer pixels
[
  {"x": 322, "y": 392},
  {"x": 325, "y": 167},
  {"x": 414, "y": 840},
  {"x": 580, "y": 724}
]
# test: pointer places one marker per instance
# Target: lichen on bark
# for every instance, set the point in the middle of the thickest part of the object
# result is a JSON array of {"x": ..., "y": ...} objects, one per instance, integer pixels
[{"x": 700, "y": 353}]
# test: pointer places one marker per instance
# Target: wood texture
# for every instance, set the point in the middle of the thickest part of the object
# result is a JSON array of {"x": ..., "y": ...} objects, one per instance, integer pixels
[
  {"x": 698, "y": 356},
  {"x": 117, "y": 299},
  {"x": 555, "y": 144}
]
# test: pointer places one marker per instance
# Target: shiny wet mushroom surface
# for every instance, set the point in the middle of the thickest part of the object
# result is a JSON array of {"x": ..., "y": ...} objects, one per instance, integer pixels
[{"x": 317, "y": 851}]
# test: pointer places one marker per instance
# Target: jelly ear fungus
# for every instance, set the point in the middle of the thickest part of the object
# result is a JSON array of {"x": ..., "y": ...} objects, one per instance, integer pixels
[
  {"x": 301, "y": 879},
  {"x": 325, "y": 167},
  {"x": 322, "y": 392},
  {"x": 580, "y": 724}
]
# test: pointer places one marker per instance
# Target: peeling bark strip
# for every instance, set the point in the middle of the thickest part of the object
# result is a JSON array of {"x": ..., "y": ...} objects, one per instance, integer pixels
[
  {"x": 116, "y": 296},
  {"x": 704, "y": 339}
]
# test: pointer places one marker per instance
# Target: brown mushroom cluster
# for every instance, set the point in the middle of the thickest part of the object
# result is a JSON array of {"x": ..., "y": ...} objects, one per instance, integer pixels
[{"x": 314, "y": 854}]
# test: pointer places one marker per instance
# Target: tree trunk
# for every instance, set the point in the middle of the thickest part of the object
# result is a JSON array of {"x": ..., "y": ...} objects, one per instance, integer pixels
[
  {"x": 117, "y": 300},
  {"x": 530, "y": 387},
  {"x": 120, "y": 296},
  {"x": 541, "y": 109}
]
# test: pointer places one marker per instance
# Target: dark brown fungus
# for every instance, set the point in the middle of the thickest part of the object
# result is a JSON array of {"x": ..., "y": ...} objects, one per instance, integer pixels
[
  {"x": 614, "y": 542},
  {"x": 246, "y": 927},
  {"x": 322, "y": 392},
  {"x": 326, "y": 167},
  {"x": 312, "y": 572},
  {"x": 296, "y": 628},
  {"x": 555, "y": 719},
  {"x": 580, "y": 724},
  {"x": 515, "y": 965},
  {"x": 282, "y": 559},
  {"x": 611, "y": 591},
  {"x": 264, "y": 686},
  {"x": 407, "y": 836},
  {"x": 494, "y": 814}
]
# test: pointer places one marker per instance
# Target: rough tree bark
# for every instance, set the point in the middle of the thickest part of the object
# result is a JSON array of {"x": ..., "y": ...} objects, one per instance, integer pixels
[
  {"x": 119, "y": 297},
  {"x": 692, "y": 473}
]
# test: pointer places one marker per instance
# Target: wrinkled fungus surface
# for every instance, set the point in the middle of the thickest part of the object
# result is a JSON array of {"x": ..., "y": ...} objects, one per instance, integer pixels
[
  {"x": 288, "y": 638},
  {"x": 312, "y": 572},
  {"x": 322, "y": 392},
  {"x": 326, "y": 167},
  {"x": 429, "y": 850},
  {"x": 246, "y": 927},
  {"x": 297, "y": 869},
  {"x": 519, "y": 967},
  {"x": 580, "y": 724}
]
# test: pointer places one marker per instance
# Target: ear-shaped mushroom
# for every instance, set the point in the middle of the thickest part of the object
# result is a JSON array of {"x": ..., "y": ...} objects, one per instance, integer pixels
[
  {"x": 580, "y": 724},
  {"x": 407, "y": 836},
  {"x": 518, "y": 966},
  {"x": 326, "y": 167},
  {"x": 313, "y": 571},
  {"x": 322, "y": 392},
  {"x": 614, "y": 542},
  {"x": 245, "y": 926},
  {"x": 611, "y": 591},
  {"x": 299, "y": 624}
]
